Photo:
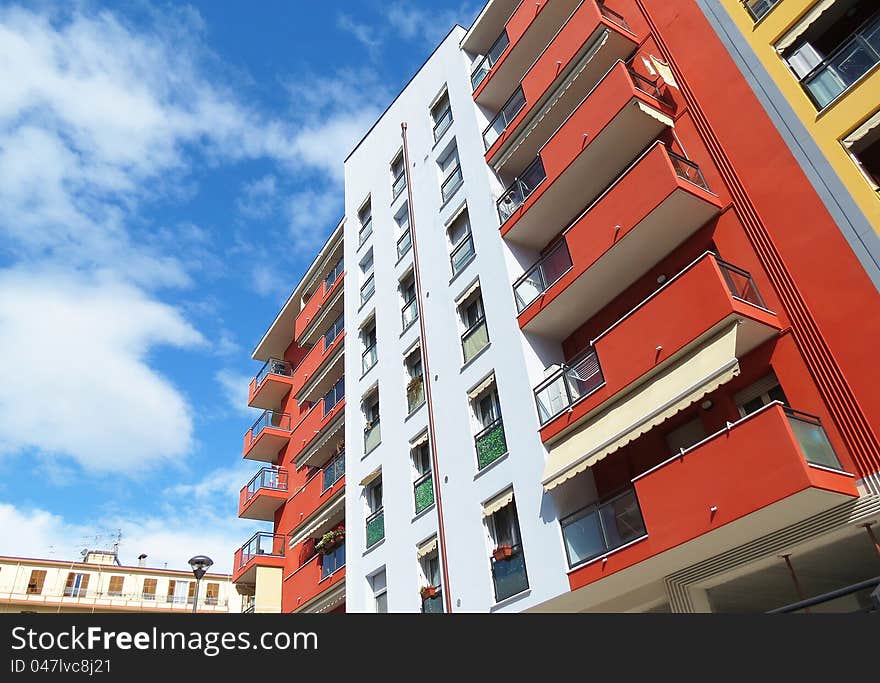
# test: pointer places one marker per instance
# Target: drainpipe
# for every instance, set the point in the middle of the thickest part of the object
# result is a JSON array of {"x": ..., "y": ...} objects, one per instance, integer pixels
[{"x": 441, "y": 534}]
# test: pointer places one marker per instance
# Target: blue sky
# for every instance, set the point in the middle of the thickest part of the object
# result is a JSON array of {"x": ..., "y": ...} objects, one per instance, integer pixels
[{"x": 166, "y": 174}]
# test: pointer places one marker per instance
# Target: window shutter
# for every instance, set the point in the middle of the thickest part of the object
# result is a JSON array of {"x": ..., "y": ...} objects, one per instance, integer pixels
[
  {"x": 150, "y": 587},
  {"x": 191, "y": 592},
  {"x": 116, "y": 584},
  {"x": 84, "y": 584},
  {"x": 171, "y": 585}
]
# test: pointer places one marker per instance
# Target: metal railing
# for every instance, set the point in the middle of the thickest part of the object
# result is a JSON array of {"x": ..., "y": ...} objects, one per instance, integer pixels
[
  {"x": 273, "y": 366},
  {"x": 646, "y": 85},
  {"x": 450, "y": 186},
  {"x": 433, "y": 605},
  {"x": 462, "y": 254},
  {"x": 404, "y": 244},
  {"x": 491, "y": 443},
  {"x": 855, "y": 57},
  {"x": 262, "y": 544},
  {"x": 369, "y": 358},
  {"x": 509, "y": 576},
  {"x": 602, "y": 527},
  {"x": 372, "y": 436},
  {"x": 375, "y": 527},
  {"x": 333, "y": 561},
  {"x": 368, "y": 289},
  {"x": 267, "y": 478},
  {"x": 409, "y": 313},
  {"x": 478, "y": 75},
  {"x": 867, "y": 593},
  {"x": 398, "y": 186},
  {"x": 270, "y": 419},
  {"x": 574, "y": 380},
  {"x": 613, "y": 16},
  {"x": 423, "y": 492},
  {"x": 812, "y": 439},
  {"x": 541, "y": 276},
  {"x": 740, "y": 283},
  {"x": 475, "y": 339},
  {"x": 333, "y": 472},
  {"x": 758, "y": 9},
  {"x": 687, "y": 170},
  {"x": 508, "y": 112},
  {"x": 415, "y": 393},
  {"x": 521, "y": 189},
  {"x": 365, "y": 232},
  {"x": 442, "y": 124}
]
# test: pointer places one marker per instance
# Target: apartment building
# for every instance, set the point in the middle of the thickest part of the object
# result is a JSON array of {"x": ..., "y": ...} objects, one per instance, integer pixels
[
  {"x": 99, "y": 583},
  {"x": 814, "y": 66},
  {"x": 610, "y": 338},
  {"x": 298, "y": 445}
]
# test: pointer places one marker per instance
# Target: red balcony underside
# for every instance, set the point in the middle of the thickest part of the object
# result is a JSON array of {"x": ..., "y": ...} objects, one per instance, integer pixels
[
  {"x": 247, "y": 574},
  {"x": 270, "y": 392},
  {"x": 756, "y": 478},
  {"x": 305, "y": 584},
  {"x": 266, "y": 446},
  {"x": 656, "y": 211},
  {"x": 262, "y": 505}
]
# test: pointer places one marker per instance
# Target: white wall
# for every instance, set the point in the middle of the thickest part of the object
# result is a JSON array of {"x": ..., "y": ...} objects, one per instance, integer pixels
[{"x": 516, "y": 367}]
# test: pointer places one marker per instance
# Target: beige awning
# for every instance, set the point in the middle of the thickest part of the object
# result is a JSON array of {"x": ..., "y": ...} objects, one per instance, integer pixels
[
  {"x": 698, "y": 373},
  {"x": 321, "y": 451},
  {"x": 862, "y": 131},
  {"x": 800, "y": 28},
  {"x": 499, "y": 502},
  {"x": 655, "y": 114},
  {"x": 481, "y": 387},
  {"x": 372, "y": 476},
  {"x": 475, "y": 285},
  {"x": 421, "y": 440},
  {"x": 321, "y": 523},
  {"x": 426, "y": 548}
]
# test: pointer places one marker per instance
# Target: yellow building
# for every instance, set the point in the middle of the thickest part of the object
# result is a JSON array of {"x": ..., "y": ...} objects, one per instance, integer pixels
[{"x": 98, "y": 583}]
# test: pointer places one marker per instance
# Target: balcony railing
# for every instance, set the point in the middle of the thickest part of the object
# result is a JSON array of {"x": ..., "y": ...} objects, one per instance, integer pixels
[
  {"x": 539, "y": 278},
  {"x": 267, "y": 478},
  {"x": 741, "y": 284},
  {"x": 475, "y": 339},
  {"x": 262, "y": 544},
  {"x": 409, "y": 313},
  {"x": 514, "y": 105},
  {"x": 509, "y": 575},
  {"x": 758, "y": 9},
  {"x": 365, "y": 232},
  {"x": 369, "y": 359},
  {"x": 600, "y": 528},
  {"x": 372, "y": 436},
  {"x": 404, "y": 244},
  {"x": 434, "y": 604},
  {"x": 270, "y": 419},
  {"x": 462, "y": 254},
  {"x": 423, "y": 492},
  {"x": 398, "y": 186},
  {"x": 333, "y": 472},
  {"x": 491, "y": 444},
  {"x": 415, "y": 393},
  {"x": 375, "y": 527},
  {"x": 521, "y": 189},
  {"x": 486, "y": 63},
  {"x": 368, "y": 289},
  {"x": 273, "y": 366},
  {"x": 442, "y": 124},
  {"x": 844, "y": 66},
  {"x": 450, "y": 186},
  {"x": 813, "y": 440},
  {"x": 570, "y": 383},
  {"x": 646, "y": 85},
  {"x": 333, "y": 561},
  {"x": 687, "y": 170},
  {"x": 613, "y": 16}
]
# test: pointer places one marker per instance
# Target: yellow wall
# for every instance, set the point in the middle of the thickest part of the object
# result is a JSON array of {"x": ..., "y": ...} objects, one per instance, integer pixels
[{"x": 837, "y": 120}]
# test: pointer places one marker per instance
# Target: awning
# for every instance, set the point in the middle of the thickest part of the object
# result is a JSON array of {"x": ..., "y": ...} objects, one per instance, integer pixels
[
  {"x": 321, "y": 523},
  {"x": 372, "y": 476},
  {"x": 655, "y": 114},
  {"x": 801, "y": 27},
  {"x": 499, "y": 502},
  {"x": 421, "y": 440},
  {"x": 862, "y": 131},
  {"x": 319, "y": 453},
  {"x": 426, "y": 548},
  {"x": 475, "y": 285},
  {"x": 318, "y": 385},
  {"x": 700, "y": 372},
  {"x": 481, "y": 387}
]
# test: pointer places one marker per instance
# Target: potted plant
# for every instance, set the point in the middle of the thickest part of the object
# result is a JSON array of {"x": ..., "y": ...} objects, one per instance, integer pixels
[
  {"x": 330, "y": 541},
  {"x": 503, "y": 552},
  {"x": 428, "y": 592}
]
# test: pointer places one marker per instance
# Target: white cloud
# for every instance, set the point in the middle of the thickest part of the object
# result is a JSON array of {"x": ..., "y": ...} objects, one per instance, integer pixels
[
  {"x": 73, "y": 357},
  {"x": 234, "y": 387},
  {"x": 312, "y": 215},
  {"x": 363, "y": 33},
  {"x": 424, "y": 23},
  {"x": 258, "y": 197}
]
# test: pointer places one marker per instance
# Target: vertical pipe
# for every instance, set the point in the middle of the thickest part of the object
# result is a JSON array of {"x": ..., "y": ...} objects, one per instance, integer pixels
[
  {"x": 794, "y": 578},
  {"x": 872, "y": 536},
  {"x": 441, "y": 534}
]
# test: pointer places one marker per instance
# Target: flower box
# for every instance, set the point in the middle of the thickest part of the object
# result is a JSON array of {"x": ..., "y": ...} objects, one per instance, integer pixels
[
  {"x": 502, "y": 552},
  {"x": 428, "y": 592}
]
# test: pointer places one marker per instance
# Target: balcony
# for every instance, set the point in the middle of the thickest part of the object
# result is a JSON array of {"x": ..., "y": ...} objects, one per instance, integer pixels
[
  {"x": 474, "y": 340},
  {"x": 409, "y": 313},
  {"x": 423, "y": 492},
  {"x": 682, "y": 342},
  {"x": 491, "y": 444},
  {"x": 508, "y": 54},
  {"x": 268, "y": 435},
  {"x": 769, "y": 470},
  {"x": 591, "y": 41},
  {"x": 415, "y": 394},
  {"x": 372, "y": 436},
  {"x": 369, "y": 358},
  {"x": 655, "y": 205},
  {"x": 263, "y": 495},
  {"x": 368, "y": 289},
  {"x": 320, "y": 369},
  {"x": 262, "y": 550},
  {"x": 271, "y": 384},
  {"x": 375, "y": 527},
  {"x": 434, "y": 603},
  {"x": 316, "y": 577},
  {"x": 314, "y": 439},
  {"x": 509, "y": 576},
  {"x": 325, "y": 488},
  {"x": 324, "y": 306},
  {"x": 404, "y": 244},
  {"x": 611, "y": 126}
]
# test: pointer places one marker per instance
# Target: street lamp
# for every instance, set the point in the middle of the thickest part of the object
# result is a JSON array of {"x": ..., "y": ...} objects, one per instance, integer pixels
[{"x": 200, "y": 565}]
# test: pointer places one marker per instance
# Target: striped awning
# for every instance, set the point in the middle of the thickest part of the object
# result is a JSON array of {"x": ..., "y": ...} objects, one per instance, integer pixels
[
  {"x": 801, "y": 27},
  {"x": 321, "y": 524},
  {"x": 862, "y": 131},
  {"x": 497, "y": 503},
  {"x": 420, "y": 441},
  {"x": 372, "y": 476},
  {"x": 482, "y": 386},
  {"x": 426, "y": 548}
]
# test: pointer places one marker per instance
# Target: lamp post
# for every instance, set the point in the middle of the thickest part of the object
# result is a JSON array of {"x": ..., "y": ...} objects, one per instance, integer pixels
[{"x": 200, "y": 565}]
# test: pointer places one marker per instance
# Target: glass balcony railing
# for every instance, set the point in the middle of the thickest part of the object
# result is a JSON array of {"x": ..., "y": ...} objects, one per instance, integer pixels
[
  {"x": 398, "y": 186},
  {"x": 434, "y": 604},
  {"x": 687, "y": 170},
  {"x": 491, "y": 444},
  {"x": 462, "y": 254},
  {"x": 262, "y": 544},
  {"x": 758, "y": 9},
  {"x": 601, "y": 528},
  {"x": 450, "y": 186},
  {"x": 844, "y": 66},
  {"x": 404, "y": 244},
  {"x": 813, "y": 440},
  {"x": 505, "y": 115},
  {"x": 538, "y": 279},
  {"x": 646, "y": 85},
  {"x": 441, "y": 125},
  {"x": 368, "y": 289},
  {"x": 409, "y": 313},
  {"x": 333, "y": 472},
  {"x": 521, "y": 189},
  {"x": 740, "y": 283},
  {"x": 415, "y": 393},
  {"x": 372, "y": 436},
  {"x": 267, "y": 478},
  {"x": 365, "y": 231},
  {"x": 423, "y": 491},
  {"x": 509, "y": 574},
  {"x": 570, "y": 383},
  {"x": 274, "y": 366},
  {"x": 333, "y": 561},
  {"x": 474, "y": 340},
  {"x": 270, "y": 419},
  {"x": 486, "y": 63},
  {"x": 375, "y": 527},
  {"x": 369, "y": 359}
]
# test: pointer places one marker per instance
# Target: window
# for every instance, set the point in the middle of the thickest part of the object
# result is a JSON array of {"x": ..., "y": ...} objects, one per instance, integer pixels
[
  {"x": 409, "y": 313},
  {"x": 115, "y": 588},
  {"x": 404, "y": 242},
  {"x": 333, "y": 332},
  {"x": 212, "y": 594},
  {"x": 415, "y": 388},
  {"x": 763, "y": 392},
  {"x": 368, "y": 287},
  {"x": 76, "y": 586},
  {"x": 335, "y": 395},
  {"x": 372, "y": 433},
  {"x": 490, "y": 441},
  {"x": 35, "y": 583},
  {"x": 461, "y": 242},
  {"x": 758, "y": 9},
  {"x": 441, "y": 115},
  {"x": 375, "y": 523},
  {"x": 473, "y": 320},
  {"x": 149, "y": 591},
  {"x": 334, "y": 274},
  {"x": 863, "y": 146},
  {"x": 687, "y": 435},
  {"x": 379, "y": 586},
  {"x": 423, "y": 486},
  {"x": 505, "y": 115},
  {"x": 369, "y": 357},
  {"x": 181, "y": 592},
  {"x": 450, "y": 173},
  {"x": 432, "y": 601},
  {"x": 398, "y": 175},
  {"x": 508, "y": 561},
  {"x": 365, "y": 218}
]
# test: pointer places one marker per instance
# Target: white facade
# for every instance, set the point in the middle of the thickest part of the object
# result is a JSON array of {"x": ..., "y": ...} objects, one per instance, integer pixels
[{"x": 389, "y": 571}]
